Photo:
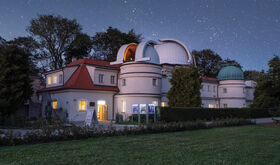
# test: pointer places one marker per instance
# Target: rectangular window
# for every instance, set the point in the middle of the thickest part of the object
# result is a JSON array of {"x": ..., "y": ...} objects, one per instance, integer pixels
[
  {"x": 202, "y": 87},
  {"x": 112, "y": 79},
  {"x": 214, "y": 89},
  {"x": 54, "y": 104},
  {"x": 100, "y": 78},
  {"x": 163, "y": 103},
  {"x": 208, "y": 88},
  {"x": 123, "y": 82},
  {"x": 54, "y": 79},
  {"x": 211, "y": 105},
  {"x": 49, "y": 80},
  {"x": 225, "y": 90},
  {"x": 82, "y": 105},
  {"x": 60, "y": 79},
  {"x": 225, "y": 105},
  {"x": 155, "y": 103},
  {"x": 124, "y": 106},
  {"x": 217, "y": 106},
  {"x": 154, "y": 82},
  {"x": 142, "y": 108}
]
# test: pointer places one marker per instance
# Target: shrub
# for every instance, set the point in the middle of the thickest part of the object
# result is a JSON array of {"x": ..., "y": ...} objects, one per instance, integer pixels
[{"x": 174, "y": 114}]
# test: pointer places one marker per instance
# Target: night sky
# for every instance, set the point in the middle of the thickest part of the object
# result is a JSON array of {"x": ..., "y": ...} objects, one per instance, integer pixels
[{"x": 245, "y": 30}]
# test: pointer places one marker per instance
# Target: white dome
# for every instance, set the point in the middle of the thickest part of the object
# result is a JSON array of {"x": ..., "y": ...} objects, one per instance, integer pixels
[{"x": 171, "y": 51}]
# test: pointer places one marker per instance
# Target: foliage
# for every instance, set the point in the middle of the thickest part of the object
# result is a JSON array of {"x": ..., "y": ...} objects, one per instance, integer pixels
[
  {"x": 106, "y": 44},
  {"x": 15, "y": 83},
  {"x": 54, "y": 34},
  {"x": 173, "y": 114},
  {"x": 210, "y": 63},
  {"x": 185, "y": 87},
  {"x": 267, "y": 91},
  {"x": 253, "y": 74},
  {"x": 79, "y": 48}
]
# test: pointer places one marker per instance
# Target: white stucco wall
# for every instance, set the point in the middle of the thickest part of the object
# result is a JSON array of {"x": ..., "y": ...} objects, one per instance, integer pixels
[
  {"x": 68, "y": 71},
  {"x": 106, "y": 76},
  {"x": 58, "y": 82}
]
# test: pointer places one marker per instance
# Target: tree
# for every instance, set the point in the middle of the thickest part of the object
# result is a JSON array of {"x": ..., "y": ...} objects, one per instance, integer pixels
[
  {"x": 31, "y": 47},
  {"x": 15, "y": 83},
  {"x": 106, "y": 44},
  {"x": 208, "y": 62},
  {"x": 267, "y": 91},
  {"x": 54, "y": 34},
  {"x": 2, "y": 41},
  {"x": 253, "y": 74},
  {"x": 185, "y": 87},
  {"x": 79, "y": 48},
  {"x": 228, "y": 61}
]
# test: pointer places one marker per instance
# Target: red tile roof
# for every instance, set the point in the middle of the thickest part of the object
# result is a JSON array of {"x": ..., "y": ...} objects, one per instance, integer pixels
[
  {"x": 94, "y": 62},
  {"x": 81, "y": 79},
  {"x": 209, "y": 79}
]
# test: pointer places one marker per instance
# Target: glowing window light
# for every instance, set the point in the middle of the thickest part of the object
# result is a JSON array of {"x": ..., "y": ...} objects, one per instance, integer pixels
[
  {"x": 49, "y": 80},
  {"x": 101, "y": 102},
  {"x": 54, "y": 104},
  {"x": 54, "y": 79},
  {"x": 211, "y": 105},
  {"x": 163, "y": 104},
  {"x": 82, "y": 105}
]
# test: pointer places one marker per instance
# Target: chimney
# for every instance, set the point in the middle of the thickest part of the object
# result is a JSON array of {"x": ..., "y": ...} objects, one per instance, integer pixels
[{"x": 74, "y": 59}]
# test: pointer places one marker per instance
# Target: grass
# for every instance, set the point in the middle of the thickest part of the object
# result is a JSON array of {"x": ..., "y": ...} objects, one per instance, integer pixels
[{"x": 254, "y": 144}]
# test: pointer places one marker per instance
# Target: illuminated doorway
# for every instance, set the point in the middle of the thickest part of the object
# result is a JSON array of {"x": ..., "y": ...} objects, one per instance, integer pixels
[{"x": 102, "y": 112}]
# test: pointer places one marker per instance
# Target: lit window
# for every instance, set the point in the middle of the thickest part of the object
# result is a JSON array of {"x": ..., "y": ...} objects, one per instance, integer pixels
[
  {"x": 82, "y": 105},
  {"x": 49, "y": 80},
  {"x": 54, "y": 104},
  {"x": 123, "y": 106},
  {"x": 60, "y": 79},
  {"x": 123, "y": 82},
  {"x": 163, "y": 103},
  {"x": 54, "y": 79},
  {"x": 225, "y": 90},
  {"x": 112, "y": 79},
  {"x": 154, "y": 82},
  {"x": 101, "y": 78},
  {"x": 211, "y": 105},
  {"x": 217, "y": 106},
  {"x": 155, "y": 103}
]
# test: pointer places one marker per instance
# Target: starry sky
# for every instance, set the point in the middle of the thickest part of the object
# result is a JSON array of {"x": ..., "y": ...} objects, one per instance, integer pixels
[{"x": 247, "y": 31}]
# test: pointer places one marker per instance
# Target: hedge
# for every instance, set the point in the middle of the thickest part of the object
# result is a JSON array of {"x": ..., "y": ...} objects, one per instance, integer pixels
[{"x": 174, "y": 114}]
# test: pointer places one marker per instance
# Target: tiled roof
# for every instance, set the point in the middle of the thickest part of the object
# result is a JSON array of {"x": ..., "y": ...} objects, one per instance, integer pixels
[
  {"x": 81, "y": 79},
  {"x": 94, "y": 62},
  {"x": 209, "y": 79}
]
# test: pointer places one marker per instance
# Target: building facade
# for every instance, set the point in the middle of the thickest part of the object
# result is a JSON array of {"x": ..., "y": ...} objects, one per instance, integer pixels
[{"x": 136, "y": 82}]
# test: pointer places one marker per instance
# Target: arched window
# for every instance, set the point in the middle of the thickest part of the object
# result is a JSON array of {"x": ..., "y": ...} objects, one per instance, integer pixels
[{"x": 129, "y": 54}]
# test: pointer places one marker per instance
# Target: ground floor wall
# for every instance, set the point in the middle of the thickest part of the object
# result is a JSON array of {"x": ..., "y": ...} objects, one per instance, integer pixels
[
  {"x": 232, "y": 103},
  {"x": 126, "y": 105},
  {"x": 69, "y": 103},
  {"x": 210, "y": 103}
]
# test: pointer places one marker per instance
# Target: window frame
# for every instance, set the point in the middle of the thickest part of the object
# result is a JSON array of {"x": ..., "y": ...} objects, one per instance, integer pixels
[
  {"x": 54, "y": 107},
  {"x": 124, "y": 82},
  {"x": 49, "y": 79},
  {"x": 82, "y": 110},
  {"x": 224, "y": 90},
  {"x": 112, "y": 79},
  {"x": 154, "y": 82},
  {"x": 54, "y": 79},
  {"x": 101, "y": 78},
  {"x": 60, "y": 79}
]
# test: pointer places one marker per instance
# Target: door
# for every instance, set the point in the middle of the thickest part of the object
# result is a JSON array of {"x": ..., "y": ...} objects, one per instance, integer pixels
[{"x": 102, "y": 112}]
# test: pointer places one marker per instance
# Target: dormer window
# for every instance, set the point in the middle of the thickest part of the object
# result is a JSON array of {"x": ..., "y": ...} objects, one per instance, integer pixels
[
  {"x": 49, "y": 80},
  {"x": 100, "y": 78},
  {"x": 60, "y": 79},
  {"x": 54, "y": 79},
  {"x": 112, "y": 79}
]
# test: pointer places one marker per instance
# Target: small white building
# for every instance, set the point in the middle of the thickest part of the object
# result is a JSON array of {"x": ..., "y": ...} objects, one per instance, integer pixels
[{"x": 136, "y": 82}]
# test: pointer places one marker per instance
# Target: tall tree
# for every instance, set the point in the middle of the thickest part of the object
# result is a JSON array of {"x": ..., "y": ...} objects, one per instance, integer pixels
[
  {"x": 253, "y": 74},
  {"x": 15, "y": 83},
  {"x": 106, "y": 44},
  {"x": 228, "y": 61},
  {"x": 31, "y": 47},
  {"x": 54, "y": 34},
  {"x": 185, "y": 87},
  {"x": 267, "y": 92},
  {"x": 208, "y": 62},
  {"x": 2, "y": 41},
  {"x": 80, "y": 47}
]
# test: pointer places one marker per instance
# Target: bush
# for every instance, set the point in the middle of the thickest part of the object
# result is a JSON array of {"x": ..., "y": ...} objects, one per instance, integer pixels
[
  {"x": 175, "y": 114},
  {"x": 134, "y": 118}
]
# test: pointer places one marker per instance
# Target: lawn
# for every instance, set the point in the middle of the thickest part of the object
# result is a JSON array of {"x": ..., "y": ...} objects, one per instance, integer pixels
[{"x": 254, "y": 144}]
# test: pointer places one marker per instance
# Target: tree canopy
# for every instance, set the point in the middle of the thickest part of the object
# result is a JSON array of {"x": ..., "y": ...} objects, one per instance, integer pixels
[
  {"x": 15, "y": 83},
  {"x": 210, "y": 63},
  {"x": 267, "y": 92},
  {"x": 185, "y": 87},
  {"x": 54, "y": 35},
  {"x": 106, "y": 44}
]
